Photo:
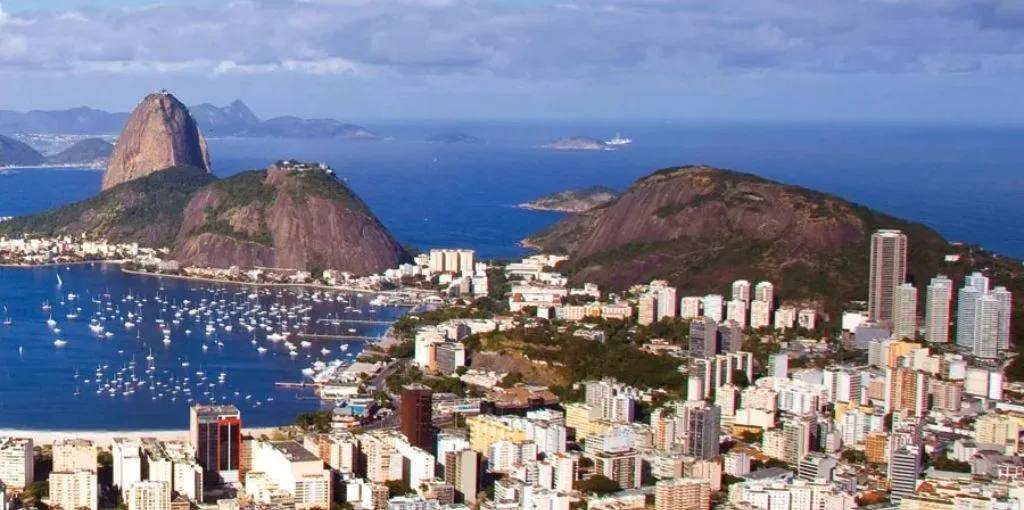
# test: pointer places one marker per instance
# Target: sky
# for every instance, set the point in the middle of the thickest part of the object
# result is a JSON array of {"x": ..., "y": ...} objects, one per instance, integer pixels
[{"x": 753, "y": 60}]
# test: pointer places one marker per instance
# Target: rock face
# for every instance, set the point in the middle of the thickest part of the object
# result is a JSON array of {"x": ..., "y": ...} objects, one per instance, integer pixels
[
  {"x": 701, "y": 227},
  {"x": 159, "y": 134},
  {"x": 292, "y": 215}
]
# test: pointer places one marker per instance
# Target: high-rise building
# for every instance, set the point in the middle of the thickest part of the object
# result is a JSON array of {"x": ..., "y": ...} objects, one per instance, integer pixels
[
  {"x": 797, "y": 437},
  {"x": 713, "y": 306},
  {"x": 1005, "y": 317},
  {"x": 127, "y": 462},
  {"x": 17, "y": 461},
  {"x": 294, "y": 470},
  {"x": 689, "y": 307},
  {"x": 905, "y": 315},
  {"x": 148, "y": 495},
  {"x": 936, "y": 313},
  {"x": 646, "y": 310},
  {"x": 703, "y": 337},
  {"x": 415, "y": 413},
  {"x": 77, "y": 490},
  {"x": 888, "y": 270},
  {"x": 779, "y": 365},
  {"x": 667, "y": 303},
  {"x": 975, "y": 286},
  {"x": 765, "y": 291},
  {"x": 905, "y": 467},
  {"x": 986, "y": 326},
  {"x": 215, "y": 431},
  {"x": 906, "y": 390},
  {"x": 736, "y": 310},
  {"x": 461, "y": 470},
  {"x": 785, "y": 317},
  {"x": 730, "y": 336},
  {"x": 760, "y": 314},
  {"x": 71, "y": 455},
  {"x": 741, "y": 291},
  {"x": 699, "y": 425},
  {"x": 682, "y": 494}
]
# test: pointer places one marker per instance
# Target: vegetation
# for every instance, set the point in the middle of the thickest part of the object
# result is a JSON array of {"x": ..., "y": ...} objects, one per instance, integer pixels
[
  {"x": 316, "y": 421},
  {"x": 943, "y": 463},
  {"x": 597, "y": 484}
]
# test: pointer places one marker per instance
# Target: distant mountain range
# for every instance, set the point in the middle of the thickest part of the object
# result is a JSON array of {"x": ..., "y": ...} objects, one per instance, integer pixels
[{"x": 235, "y": 119}]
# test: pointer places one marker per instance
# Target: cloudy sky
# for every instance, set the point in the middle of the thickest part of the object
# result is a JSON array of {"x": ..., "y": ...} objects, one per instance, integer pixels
[{"x": 892, "y": 60}]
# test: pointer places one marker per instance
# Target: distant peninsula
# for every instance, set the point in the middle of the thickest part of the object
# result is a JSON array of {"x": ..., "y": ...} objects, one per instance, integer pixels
[
  {"x": 577, "y": 143},
  {"x": 89, "y": 152},
  {"x": 16, "y": 153},
  {"x": 573, "y": 200}
]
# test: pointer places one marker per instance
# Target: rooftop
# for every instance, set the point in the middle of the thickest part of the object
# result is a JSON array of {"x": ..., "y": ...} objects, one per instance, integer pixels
[{"x": 293, "y": 451}]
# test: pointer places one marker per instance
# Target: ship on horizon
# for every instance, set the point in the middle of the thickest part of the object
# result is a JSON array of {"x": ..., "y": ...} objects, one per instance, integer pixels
[{"x": 618, "y": 140}]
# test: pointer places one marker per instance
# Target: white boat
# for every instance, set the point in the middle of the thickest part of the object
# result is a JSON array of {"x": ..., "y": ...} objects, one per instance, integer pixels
[
  {"x": 59, "y": 343},
  {"x": 261, "y": 349},
  {"x": 618, "y": 140}
]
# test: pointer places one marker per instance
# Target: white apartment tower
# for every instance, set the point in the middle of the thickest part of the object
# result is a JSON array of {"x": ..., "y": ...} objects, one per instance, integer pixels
[
  {"x": 905, "y": 317},
  {"x": 667, "y": 303},
  {"x": 689, "y": 307},
  {"x": 741, "y": 291},
  {"x": 736, "y": 310},
  {"x": 888, "y": 270},
  {"x": 713, "y": 306},
  {"x": 765, "y": 291},
  {"x": 760, "y": 314},
  {"x": 975, "y": 286},
  {"x": 936, "y": 313}
]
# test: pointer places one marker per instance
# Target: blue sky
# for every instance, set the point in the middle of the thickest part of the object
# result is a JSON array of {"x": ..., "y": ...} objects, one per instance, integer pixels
[{"x": 831, "y": 60}]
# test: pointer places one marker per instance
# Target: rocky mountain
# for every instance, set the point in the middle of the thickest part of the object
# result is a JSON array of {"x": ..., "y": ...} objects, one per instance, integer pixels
[
  {"x": 159, "y": 134},
  {"x": 15, "y": 153},
  {"x": 573, "y": 200},
  {"x": 75, "y": 121},
  {"x": 224, "y": 121},
  {"x": 85, "y": 152},
  {"x": 291, "y": 215},
  {"x": 235, "y": 119},
  {"x": 701, "y": 227}
]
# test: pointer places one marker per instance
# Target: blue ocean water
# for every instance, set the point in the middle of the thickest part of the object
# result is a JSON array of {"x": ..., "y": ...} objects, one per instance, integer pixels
[
  {"x": 43, "y": 386},
  {"x": 964, "y": 181}
]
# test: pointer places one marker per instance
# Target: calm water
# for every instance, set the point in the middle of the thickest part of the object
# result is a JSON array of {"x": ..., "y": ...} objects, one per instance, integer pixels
[
  {"x": 963, "y": 181},
  {"x": 38, "y": 382}
]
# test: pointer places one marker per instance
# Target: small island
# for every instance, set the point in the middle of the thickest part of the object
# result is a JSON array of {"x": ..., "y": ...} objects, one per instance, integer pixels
[
  {"x": 577, "y": 143},
  {"x": 573, "y": 200},
  {"x": 453, "y": 138}
]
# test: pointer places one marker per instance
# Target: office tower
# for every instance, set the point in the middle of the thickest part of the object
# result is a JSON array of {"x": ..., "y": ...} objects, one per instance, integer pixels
[
  {"x": 148, "y": 495},
  {"x": 905, "y": 315},
  {"x": 667, "y": 303},
  {"x": 689, "y": 307},
  {"x": 888, "y": 270},
  {"x": 936, "y": 313},
  {"x": 779, "y": 364},
  {"x": 1005, "y": 317},
  {"x": 75, "y": 490},
  {"x": 215, "y": 432},
  {"x": 416, "y": 414},
  {"x": 765, "y": 291},
  {"x": 986, "y": 326},
  {"x": 682, "y": 494},
  {"x": 646, "y": 310},
  {"x": 904, "y": 468},
  {"x": 760, "y": 314},
  {"x": 713, "y": 306},
  {"x": 741, "y": 291},
  {"x": 699, "y": 424},
  {"x": 975, "y": 286},
  {"x": 703, "y": 337},
  {"x": 736, "y": 310},
  {"x": 461, "y": 470},
  {"x": 906, "y": 390}
]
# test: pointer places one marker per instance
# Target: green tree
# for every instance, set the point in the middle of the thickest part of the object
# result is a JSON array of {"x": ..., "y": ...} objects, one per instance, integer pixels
[{"x": 597, "y": 484}]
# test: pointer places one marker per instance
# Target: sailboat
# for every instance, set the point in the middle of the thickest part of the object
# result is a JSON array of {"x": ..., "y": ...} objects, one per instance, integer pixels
[
  {"x": 7, "y": 318},
  {"x": 60, "y": 283}
]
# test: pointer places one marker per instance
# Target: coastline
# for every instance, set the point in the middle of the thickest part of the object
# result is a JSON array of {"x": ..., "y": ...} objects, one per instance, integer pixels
[
  {"x": 105, "y": 438},
  {"x": 81, "y": 167},
  {"x": 254, "y": 284}
]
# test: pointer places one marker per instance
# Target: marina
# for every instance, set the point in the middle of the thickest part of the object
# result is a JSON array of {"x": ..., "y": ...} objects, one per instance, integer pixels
[{"x": 89, "y": 347}]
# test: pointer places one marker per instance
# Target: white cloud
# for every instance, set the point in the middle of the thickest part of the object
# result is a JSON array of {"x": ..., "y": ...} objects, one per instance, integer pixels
[{"x": 581, "y": 39}]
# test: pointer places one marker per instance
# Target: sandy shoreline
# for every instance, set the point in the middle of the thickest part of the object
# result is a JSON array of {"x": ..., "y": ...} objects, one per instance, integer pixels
[{"x": 104, "y": 438}]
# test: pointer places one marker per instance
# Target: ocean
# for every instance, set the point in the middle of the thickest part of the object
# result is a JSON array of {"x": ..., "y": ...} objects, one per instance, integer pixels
[{"x": 964, "y": 181}]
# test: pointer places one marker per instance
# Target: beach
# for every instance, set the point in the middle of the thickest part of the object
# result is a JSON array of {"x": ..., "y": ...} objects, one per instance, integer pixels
[{"x": 105, "y": 438}]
